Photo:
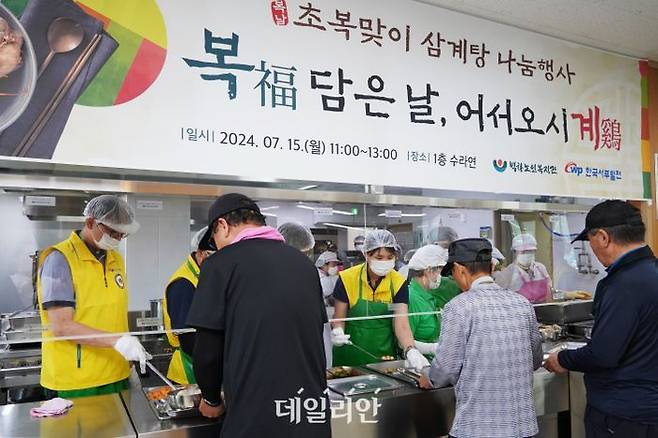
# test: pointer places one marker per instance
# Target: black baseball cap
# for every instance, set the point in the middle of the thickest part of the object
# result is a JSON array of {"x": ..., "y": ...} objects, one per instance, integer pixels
[
  {"x": 466, "y": 251},
  {"x": 222, "y": 206},
  {"x": 607, "y": 214}
]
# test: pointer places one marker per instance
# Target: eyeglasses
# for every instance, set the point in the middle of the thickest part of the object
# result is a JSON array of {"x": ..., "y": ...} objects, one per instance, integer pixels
[{"x": 109, "y": 231}]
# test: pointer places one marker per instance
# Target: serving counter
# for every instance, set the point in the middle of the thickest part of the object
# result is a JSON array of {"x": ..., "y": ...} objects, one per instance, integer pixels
[
  {"x": 405, "y": 412},
  {"x": 102, "y": 416}
]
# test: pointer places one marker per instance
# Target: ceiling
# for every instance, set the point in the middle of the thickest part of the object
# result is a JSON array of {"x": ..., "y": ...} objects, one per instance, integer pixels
[{"x": 628, "y": 27}]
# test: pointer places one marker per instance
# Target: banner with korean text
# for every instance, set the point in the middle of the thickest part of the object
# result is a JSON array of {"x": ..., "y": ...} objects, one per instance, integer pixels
[{"x": 395, "y": 93}]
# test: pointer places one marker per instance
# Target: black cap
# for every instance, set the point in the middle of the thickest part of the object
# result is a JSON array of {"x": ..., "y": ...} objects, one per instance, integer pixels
[
  {"x": 466, "y": 251},
  {"x": 221, "y": 207},
  {"x": 609, "y": 214}
]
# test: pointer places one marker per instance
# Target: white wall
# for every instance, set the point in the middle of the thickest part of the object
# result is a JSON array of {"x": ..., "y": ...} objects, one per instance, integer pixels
[{"x": 157, "y": 249}]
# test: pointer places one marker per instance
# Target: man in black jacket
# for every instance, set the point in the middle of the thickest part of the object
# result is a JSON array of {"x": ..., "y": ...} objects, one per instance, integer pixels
[
  {"x": 259, "y": 315},
  {"x": 621, "y": 360}
]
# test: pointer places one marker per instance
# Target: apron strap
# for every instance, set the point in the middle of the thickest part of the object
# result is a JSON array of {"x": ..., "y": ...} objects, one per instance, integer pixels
[{"x": 192, "y": 268}]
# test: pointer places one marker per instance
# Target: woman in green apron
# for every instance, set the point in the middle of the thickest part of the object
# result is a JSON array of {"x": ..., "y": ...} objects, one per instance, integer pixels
[
  {"x": 424, "y": 276},
  {"x": 366, "y": 295}
]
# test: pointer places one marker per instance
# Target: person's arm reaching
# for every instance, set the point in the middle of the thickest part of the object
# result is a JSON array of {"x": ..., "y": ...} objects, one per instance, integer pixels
[
  {"x": 616, "y": 323},
  {"x": 451, "y": 351},
  {"x": 535, "y": 338},
  {"x": 208, "y": 364},
  {"x": 207, "y": 315}
]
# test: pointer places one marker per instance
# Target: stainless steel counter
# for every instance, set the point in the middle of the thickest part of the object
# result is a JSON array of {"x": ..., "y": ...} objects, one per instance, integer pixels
[
  {"x": 406, "y": 412},
  {"x": 98, "y": 417},
  {"x": 146, "y": 424}
]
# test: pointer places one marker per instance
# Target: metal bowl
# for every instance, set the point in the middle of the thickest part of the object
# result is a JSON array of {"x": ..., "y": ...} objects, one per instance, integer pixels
[
  {"x": 21, "y": 81},
  {"x": 185, "y": 398}
]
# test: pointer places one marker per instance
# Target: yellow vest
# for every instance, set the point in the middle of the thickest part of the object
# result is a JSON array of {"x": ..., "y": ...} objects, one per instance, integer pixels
[
  {"x": 189, "y": 271},
  {"x": 101, "y": 302},
  {"x": 383, "y": 294}
]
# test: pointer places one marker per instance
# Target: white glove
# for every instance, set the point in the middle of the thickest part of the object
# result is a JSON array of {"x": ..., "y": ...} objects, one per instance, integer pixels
[
  {"x": 426, "y": 347},
  {"x": 416, "y": 360},
  {"x": 339, "y": 338},
  {"x": 130, "y": 348}
]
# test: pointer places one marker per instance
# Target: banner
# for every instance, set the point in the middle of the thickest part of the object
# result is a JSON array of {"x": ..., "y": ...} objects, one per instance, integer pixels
[{"x": 387, "y": 93}]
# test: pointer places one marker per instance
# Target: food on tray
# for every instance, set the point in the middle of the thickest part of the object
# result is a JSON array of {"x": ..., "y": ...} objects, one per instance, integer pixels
[
  {"x": 339, "y": 372},
  {"x": 159, "y": 393},
  {"x": 578, "y": 295},
  {"x": 10, "y": 48},
  {"x": 388, "y": 358}
]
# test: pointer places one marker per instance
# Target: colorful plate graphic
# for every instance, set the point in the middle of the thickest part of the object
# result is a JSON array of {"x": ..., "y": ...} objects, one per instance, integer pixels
[{"x": 139, "y": 28}]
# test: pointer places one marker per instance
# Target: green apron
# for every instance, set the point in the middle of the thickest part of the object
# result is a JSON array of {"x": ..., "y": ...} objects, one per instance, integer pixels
[
  {"x": 446, "y": 291},
  {"x": 110, "y": 388},
  {"x": 373, "y": 335},
  {"x": 425, "y": 328}
]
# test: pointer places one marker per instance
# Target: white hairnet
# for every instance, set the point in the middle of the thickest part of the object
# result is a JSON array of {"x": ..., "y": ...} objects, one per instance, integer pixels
[
  {"x": 524, "y": 242},
  {"x": 112, "y": 211},
  {"x": 196, "y": 239},
  {"x": 325, "y": 258},
  {"x": 443, "y": 234},
  {"x": 297, "y": 235},
  {"x": 376, "y": 239},
  {"x": 428, "y": 256},
  {"x": 495, "y": 252},
  {"x": 408, "y": 255}
]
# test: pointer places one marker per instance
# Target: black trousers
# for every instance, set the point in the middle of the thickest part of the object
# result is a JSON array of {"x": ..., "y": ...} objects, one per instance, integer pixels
[{"x": 601, "y": 425}]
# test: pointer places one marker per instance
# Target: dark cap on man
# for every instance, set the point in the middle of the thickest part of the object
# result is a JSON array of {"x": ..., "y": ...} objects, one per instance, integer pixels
[
  {"x": 468, "y": 251},
  {"x": 609, "y": 214},
  {"x": 222, "y": 206}
]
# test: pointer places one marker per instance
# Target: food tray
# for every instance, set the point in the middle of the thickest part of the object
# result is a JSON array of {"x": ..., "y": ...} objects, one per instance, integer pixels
[
  {"x": 344, "y": 372},
  {"x": 359, "y": 385},
  {"x": 564, "y": 312},
  {"x": 166, "y": 409},
  {"x": 390, "y": 369}
]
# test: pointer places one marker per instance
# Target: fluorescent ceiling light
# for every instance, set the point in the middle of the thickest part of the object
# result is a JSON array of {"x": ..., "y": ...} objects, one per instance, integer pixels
[
  {"x": 269, "y": 208},
  {"x": 345, "y": 227},
  {"x": 405, "y": 215},
  {"x": 312, "y": 186},
  {"x": 305, "y": 207},
  {"x": 343, "y": 212},
  {"x": 270, "y": 215}
]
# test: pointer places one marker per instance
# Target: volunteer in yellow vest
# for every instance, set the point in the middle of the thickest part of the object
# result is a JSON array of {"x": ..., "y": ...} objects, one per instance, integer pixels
[
  {"x": 82, "y": 291},
  {"x": 176, "y": 304},
  {"x": 374, "y": 289},
  {"x": 425, "y": 276}
]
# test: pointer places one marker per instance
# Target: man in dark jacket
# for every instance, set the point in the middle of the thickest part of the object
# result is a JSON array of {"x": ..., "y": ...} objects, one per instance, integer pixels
[
  {"x": 259, "y": 315},
  {"x": 621, "y": 360}
]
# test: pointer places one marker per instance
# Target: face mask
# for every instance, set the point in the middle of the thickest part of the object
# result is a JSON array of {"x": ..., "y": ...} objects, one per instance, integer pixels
[
  {"x": 333, "y": 271},
  {"x": 381, "y": 267},
  {"x": 525, "y": 260},
  {"x": 107, "y": 243},
  {"x": 433, "y": 284}
]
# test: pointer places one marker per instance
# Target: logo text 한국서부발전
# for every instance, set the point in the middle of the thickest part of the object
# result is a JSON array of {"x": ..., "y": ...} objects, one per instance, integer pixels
[{"x": 572, "y": 168}]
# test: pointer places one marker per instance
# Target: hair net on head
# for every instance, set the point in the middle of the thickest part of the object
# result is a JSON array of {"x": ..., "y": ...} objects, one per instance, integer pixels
[
  {"x": 196, "y": 239},
  {"x": 112, "y": 211},
  {"x": 524, "y": 242},
  {"x": 443, "y": 234},
  {"x": 408, "y": 255},
  {"x": 429, "y": 256},
  {"x": 325, "y": 258},
  {"x": 297, "y": 236},
  {"x": 495, "y": 252},
  {"x": 376, "y": 239}
]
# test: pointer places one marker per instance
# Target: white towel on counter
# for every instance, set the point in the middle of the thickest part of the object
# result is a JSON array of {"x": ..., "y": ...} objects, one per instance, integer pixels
[{"x": 52, "y": 407}]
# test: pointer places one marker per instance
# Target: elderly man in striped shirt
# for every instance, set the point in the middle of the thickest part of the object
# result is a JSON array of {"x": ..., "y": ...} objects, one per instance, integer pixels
[{"x": 489, "y": 347}]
